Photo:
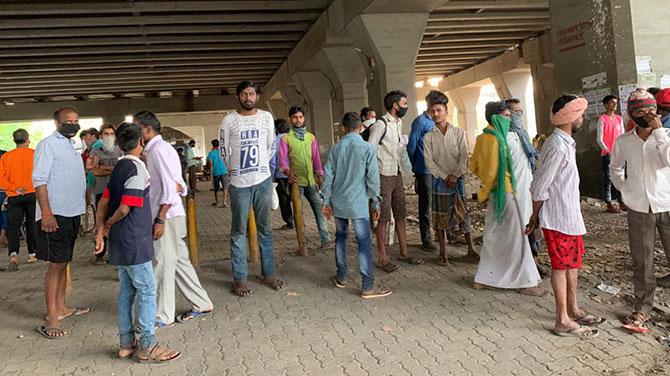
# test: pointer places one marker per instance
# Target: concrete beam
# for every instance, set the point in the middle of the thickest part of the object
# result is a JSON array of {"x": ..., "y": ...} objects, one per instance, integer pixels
[
  {"x": 89, "y": 7},
  {"x": 496, "y": 4},
  {"x": 506, "y": 62},
  {"x": 115, "y": 108},
  {"x": 121, "y": 70},
  {"x": 488, "y": 16},
  {"x": 464, "y": 25}
]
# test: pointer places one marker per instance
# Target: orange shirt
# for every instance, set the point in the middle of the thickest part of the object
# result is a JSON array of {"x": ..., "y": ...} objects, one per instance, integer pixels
[{"x": 16, "y": 171}]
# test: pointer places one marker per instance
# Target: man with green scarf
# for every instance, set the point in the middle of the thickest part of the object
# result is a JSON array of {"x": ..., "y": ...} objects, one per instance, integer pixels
[
  {"x": 300, "y": 161},
  {"x": 500, "y": 163}
]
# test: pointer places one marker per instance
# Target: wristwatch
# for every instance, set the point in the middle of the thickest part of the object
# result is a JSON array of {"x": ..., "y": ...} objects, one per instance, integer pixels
[{"x": 159, "y": 221}]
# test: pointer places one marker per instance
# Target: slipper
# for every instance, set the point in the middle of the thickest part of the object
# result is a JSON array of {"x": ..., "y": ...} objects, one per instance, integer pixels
[
  {"x": 339, "y": 284},
  {"x": 44, "y": 330},
  {"x": 240, "y": 289},
  {"x": 635, "y": 328},
  {"x": 389, "y": 267},
  {"x": 590, "y": 320},
  {"x": 75, "y": 312},
  {"x": 579, "y": 332},
  {"x": 192, "y": 315},
  {"x": 412, "y": 260},
  {"x": 274, "y": 282},
  {"x": 162, "y": 325}
]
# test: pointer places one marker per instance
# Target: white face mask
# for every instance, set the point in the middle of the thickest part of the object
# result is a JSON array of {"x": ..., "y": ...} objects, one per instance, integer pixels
[
  {"x": 369, "y": 122},
  {"x": 108, "y": 143}
]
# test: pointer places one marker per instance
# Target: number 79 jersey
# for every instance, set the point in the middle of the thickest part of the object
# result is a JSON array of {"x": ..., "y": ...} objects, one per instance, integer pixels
[{"x": 247, "y": 145}]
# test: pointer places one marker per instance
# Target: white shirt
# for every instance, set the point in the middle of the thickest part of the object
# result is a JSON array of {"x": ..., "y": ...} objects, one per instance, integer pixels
[
  {"x": 247, "y": 147},
  {"x": 641, "y": 170},
  {"x": 164, "y": 171},
  {"x": 556, "y": 182},
  {"x": 388, "y": 153},
  {"x": 446, "y": 154}
]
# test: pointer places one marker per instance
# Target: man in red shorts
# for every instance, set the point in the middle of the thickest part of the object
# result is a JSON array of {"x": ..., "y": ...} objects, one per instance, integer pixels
[{"x": 555, "y": 190}]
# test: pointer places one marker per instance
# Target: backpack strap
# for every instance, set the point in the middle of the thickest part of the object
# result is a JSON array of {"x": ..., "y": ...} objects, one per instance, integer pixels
[{"x": 385, "y": 129}]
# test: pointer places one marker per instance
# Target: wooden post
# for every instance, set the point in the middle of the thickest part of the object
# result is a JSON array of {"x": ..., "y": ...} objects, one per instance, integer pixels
[
  {"x": 192, "y": 224},
  {"x": 252, "y": 239},
  {"x": 299, "y": 221}
]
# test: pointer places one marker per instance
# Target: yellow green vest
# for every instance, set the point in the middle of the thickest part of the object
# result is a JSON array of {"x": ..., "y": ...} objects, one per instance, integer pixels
[{"x": 300, "y": 157}]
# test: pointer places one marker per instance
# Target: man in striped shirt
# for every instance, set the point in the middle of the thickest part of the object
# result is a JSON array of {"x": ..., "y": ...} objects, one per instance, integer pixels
[{"x": 555, "y": 190}]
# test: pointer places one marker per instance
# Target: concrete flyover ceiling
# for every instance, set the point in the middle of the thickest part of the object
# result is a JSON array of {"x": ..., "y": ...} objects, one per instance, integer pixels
[
  {"x": 52, "y": 49},
  {"x": 463, "y": 33}
]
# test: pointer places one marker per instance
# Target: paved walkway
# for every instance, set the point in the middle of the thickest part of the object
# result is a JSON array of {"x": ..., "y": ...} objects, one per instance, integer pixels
[{"x": 434, "y": 323}]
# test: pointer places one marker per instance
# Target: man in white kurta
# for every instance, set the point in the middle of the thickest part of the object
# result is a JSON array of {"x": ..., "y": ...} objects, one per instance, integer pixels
[{"x": 506, "y": 259}]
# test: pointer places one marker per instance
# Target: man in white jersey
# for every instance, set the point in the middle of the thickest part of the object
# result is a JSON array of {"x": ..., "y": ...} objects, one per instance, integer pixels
[{"x": 247, "y": 146}]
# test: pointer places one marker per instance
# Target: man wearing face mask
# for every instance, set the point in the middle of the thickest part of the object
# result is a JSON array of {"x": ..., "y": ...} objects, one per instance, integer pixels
[
  {"x": 60, "y": 187},
  {"x": 368, "y": 117},
  {"x": 300, "y": 161},
  {"x": 640, "y": 169},
  {"x": 101, "y": 161},
  {"x": 385, "y": 136}
]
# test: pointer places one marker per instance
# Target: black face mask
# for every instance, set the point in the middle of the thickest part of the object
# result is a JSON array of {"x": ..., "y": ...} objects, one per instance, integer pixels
[
  {"x": 69, "y": 130},
  {"x": 402, "y": 111},
  {"x": 640, "y": 121}
]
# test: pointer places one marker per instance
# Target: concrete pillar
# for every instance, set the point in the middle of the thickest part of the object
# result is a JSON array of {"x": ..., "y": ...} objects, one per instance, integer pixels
[
  {"x": 513, "y": 85},
  {"x": 346, "y": 67},
  {"x": 391, "y": 43},
  {"x": 537, "y": 53},
  {"x": 465, "y": 99},
  {"x": 318, "y": 91},
  {"x": 279, "y": 107}
]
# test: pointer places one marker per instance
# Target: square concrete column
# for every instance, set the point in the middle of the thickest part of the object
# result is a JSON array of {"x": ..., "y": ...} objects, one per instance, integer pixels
[
  {"x": 513, "y": 85},
  {"x": 318, "y": 91},
  {"x": 391, "y": 42}
]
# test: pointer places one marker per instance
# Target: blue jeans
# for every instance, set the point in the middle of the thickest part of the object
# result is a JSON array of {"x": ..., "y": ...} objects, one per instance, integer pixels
[
  {"x": 258, "y": 197},
  {"x": 312, "y": 195},
  {"x": 364, "y": 238},
  {"x": 137, "y": 281}
]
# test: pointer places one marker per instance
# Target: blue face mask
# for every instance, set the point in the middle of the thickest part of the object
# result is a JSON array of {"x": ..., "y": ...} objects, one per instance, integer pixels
[{"x": 300, "y": 132}]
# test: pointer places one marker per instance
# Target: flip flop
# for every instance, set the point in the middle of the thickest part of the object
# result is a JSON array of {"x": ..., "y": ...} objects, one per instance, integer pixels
[
  {"x": 274, "y": 282},
  {"x": 579, "y": 332},
  {"x": 75, "y": 312},
  {"x": 44, "y": 330},
  {"x": 240, "y": 289},
  {"x": 412, "y": 260},
  {"x": 389, "y": 267},
  {"x": 192, "y": 315},
  {"x": 635, "y": 328},
  {"x": 590, "y": 320}
]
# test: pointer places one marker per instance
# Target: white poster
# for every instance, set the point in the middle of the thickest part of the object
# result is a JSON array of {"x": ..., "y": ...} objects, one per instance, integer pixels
[
  {"x": 624, "y": 93},
  {"x": 594, "y": 81},
  {"x": 643, "y": 64}
]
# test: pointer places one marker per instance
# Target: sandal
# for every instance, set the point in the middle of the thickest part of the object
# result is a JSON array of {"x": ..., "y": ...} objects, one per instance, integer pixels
[
  {"x": 389, "y": 267},
  {"x": 126, "y": 351},
  {"x": 637, "y": 318},
  {"x": 412, "y": 260},
  {"x": 339, "y": 284},
  {"x": 192, "y": 315},
  {"x": 75, "y": 312},
  {"x": 52, "y": 332},
  {"x": 240, "y": 289},
  {"x": 579, "y": 332},
  {"x": 157, "y": 354},
  {"x": 590, "y": 320},
  {"x": 274, "y": 282}
]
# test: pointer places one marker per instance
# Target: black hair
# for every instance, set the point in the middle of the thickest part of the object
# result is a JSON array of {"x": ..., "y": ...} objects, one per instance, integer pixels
[
  {"x": 653, "y": 90},
  {"x": 294, "y": 110},
  {"x": 561, "y": 101},
  {"x": 180, "y": 150},
  {"x": 608, "y": 98},
  {"x": 215, "y": 143},
  {"x": 365, "y": 111},
  {"x": 393, "y": 97},
  {"x": 93, "y": 132},
  {"x": 191, "y": 142},
  {"x": 436, "y": 97},
  {"x": 20, "y": 136},
  {"x": 108, "y": 126},
  {"x": 83, "y": 133},
  {"x": 351, "y": 120},
  {"x": 63, "y": 109},
  {"x": 247, "y": 84},
  {"x": 494, "y": 108},
  {"x": 510, "y": 101},
  {"x": 148, "y": 119},
  {"x": 128, "y": 136},
  {"x": 281, "y": 126}
]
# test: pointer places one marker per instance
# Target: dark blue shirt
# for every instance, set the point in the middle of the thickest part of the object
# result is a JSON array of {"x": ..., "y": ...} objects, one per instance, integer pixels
[
  {"x": 420, "y": 126},
  {"x": 130, "y": 240}
]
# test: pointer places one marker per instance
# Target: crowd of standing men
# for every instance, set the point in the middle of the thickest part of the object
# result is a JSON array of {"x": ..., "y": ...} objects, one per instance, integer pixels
[{"x": 136, "y": 180}]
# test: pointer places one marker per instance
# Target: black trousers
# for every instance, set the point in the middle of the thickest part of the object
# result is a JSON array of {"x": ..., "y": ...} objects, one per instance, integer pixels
[
  {"x": 424, "y": 189},
  {"x": 192, "y": 182},
  {"x": 284, "y": 193},
  {"x": 21, "y": 209}
]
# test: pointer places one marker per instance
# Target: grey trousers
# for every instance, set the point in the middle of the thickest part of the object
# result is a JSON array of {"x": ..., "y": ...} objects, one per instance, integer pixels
[
  {"x": 173, "y": 266},
  {"x": 641, "y": 237}
]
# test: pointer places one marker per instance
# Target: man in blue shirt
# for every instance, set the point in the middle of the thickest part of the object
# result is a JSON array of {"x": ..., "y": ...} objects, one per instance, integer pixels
[
  {"x": 423, "y": 179},
  {"x": 219, "y": 174},
  {"x": 351, "y": 181}
]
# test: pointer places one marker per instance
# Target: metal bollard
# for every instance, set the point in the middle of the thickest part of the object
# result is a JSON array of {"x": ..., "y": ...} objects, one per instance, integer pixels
[
  {"x": 252, "y": 239},
  {"x": 299, "y": 221},
  {"x": 192, "y": 224}
]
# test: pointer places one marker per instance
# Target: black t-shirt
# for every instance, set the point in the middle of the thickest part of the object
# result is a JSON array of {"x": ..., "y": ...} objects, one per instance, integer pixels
[{"x": 130, "y": 240}]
